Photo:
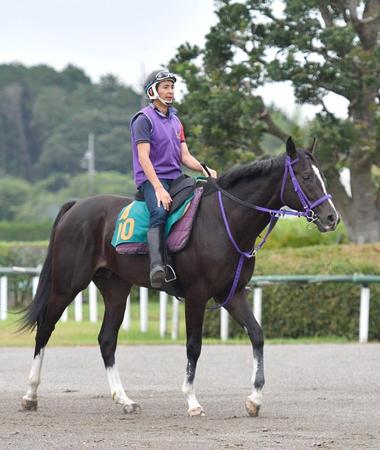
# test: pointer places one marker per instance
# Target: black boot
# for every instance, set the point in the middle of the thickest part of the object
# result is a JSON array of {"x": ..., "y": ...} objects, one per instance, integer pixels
[{"x": 156, "y": 254}]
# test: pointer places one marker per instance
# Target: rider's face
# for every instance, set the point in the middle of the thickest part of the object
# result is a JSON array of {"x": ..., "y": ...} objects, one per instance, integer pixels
[{"x": 165, "y": 90}]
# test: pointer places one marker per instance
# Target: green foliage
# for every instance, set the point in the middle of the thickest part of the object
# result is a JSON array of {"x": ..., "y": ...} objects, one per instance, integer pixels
[
  {"x": 30, "y": 203},
  {"x": 25, "y": 231},
  {"x": 321, "y": 48},
  {"x": 46, "y": 116},
  {"x": 321, "y": 309},
  {"x": 21, "y": 255},
  {"x": 299, "y": 233},
  {"x": 13, "y": 192},
  {"x": 289, "y": 311}
]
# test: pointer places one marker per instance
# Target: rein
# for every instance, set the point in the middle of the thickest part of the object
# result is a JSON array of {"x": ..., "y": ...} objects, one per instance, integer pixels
[{"x": 274, "y": 213}]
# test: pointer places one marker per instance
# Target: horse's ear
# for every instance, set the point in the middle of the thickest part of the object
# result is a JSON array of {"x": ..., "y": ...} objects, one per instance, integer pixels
[
  {"x": 313, "y": 145},
  {"x": 291, "y": 148}
]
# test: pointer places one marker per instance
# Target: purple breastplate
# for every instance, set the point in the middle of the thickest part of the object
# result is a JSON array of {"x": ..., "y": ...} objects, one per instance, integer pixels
[{"x": 165, "y": 146}]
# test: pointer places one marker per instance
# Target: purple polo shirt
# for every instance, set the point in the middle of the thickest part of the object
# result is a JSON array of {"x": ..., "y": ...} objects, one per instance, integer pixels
[{"x": 165, "y": 144}]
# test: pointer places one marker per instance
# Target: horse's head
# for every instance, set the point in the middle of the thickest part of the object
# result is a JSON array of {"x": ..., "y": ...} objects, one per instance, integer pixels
[{"x": 306, "y": 189}]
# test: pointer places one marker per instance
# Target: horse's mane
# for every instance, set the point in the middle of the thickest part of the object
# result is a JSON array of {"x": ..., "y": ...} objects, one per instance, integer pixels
[{"x": 254, "y": 169}]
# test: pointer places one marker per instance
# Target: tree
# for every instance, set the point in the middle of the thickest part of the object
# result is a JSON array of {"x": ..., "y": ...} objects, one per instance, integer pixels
[
  {"x": 13, "y": 193},
  {"x": 14, "y": 132},
  {"x": 321, "y": 47},
  {"x": 46, "y": 116}
]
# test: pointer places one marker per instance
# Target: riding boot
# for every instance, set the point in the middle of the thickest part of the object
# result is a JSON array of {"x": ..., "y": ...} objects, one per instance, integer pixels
[{"x": 156, "y": 253}]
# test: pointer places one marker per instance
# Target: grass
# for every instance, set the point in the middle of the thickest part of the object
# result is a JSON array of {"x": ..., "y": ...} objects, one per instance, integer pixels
[{"x": 73, "y": 333}]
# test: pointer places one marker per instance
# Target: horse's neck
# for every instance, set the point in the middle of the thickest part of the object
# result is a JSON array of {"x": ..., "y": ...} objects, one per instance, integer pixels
[{"x": 246, "y": 224}]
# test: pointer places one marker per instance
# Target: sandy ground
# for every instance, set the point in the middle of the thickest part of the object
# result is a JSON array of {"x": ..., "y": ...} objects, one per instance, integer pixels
[{"x": 316, "y": 396}]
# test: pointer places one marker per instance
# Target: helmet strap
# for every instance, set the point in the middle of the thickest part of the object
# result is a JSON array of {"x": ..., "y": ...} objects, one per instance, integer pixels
[{"x": 156, "y": 95}]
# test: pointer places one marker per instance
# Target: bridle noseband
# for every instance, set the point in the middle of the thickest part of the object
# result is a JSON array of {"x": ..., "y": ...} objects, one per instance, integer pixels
[
  {"x": 275, "y": 214},
  {"x": 308, "y": 206}
]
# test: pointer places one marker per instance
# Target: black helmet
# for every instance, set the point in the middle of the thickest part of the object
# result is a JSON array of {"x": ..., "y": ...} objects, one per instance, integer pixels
[{"x": 153, "y": 79}]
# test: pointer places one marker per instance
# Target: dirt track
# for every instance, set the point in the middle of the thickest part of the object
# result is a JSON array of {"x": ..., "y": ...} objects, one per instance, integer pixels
[{"x": 316, "y": 396}]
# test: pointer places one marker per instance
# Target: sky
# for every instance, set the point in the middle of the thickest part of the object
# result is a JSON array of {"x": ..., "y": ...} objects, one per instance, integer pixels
[{"x": 123, "y": 37}]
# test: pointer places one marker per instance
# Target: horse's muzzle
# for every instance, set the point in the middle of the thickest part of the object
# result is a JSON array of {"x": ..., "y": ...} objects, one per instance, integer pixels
[{"x": 328, "y": 223}]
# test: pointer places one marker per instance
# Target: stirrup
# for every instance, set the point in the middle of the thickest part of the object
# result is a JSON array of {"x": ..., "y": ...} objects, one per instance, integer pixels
[{"x": 174, "y": 276}]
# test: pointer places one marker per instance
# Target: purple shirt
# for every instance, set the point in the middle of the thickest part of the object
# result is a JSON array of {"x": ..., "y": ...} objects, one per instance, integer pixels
[{"x": 165, "y": 145}]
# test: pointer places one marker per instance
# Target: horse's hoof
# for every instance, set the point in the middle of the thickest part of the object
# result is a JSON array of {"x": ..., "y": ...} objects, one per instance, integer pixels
[
  {"x": 132, "y": 408},
  {"x": 198, "y": 411},
  {"x": 252, "y": 408},
  {"x": 29, "y": 405}
]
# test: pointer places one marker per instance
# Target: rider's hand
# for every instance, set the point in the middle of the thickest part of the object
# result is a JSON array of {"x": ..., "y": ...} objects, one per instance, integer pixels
[
  {"x": 212, "y": 173},
  {"x": 163, "y": 197}
]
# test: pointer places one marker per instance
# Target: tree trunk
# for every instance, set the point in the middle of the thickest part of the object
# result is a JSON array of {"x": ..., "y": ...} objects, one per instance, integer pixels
[
  {"x": 365, "y": 222},
  {"x": 361, "y": 211},
  {"x": 18, "y": 158}
]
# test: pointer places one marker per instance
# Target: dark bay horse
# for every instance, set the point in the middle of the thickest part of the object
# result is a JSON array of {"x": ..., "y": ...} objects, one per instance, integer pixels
[{"x": 80, "y": 251}]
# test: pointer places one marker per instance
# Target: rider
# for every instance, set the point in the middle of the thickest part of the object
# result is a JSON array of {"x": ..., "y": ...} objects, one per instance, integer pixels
[{"x": 159, "y": 148}]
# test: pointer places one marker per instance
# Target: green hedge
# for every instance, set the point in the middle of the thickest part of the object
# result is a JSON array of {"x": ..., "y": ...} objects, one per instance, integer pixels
[
  {"x": 21, "y": 254},
  {"x": 288, "y": 233},
  {"x": 24, "y": 231},
  {"x": 289, "y": 311},
  {"x": 295, "y": 232},
  {"x": 323, "y": 309}
]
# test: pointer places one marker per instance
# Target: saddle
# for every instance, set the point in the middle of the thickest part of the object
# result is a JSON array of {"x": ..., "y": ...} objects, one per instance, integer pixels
[
  {"x": 130, "y": 233},
  {"x": 186, "y": 194},
  {"x": 180, "y": 190}
]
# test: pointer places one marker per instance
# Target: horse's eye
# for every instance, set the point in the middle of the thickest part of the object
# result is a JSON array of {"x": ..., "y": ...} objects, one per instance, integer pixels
[{"x": 306, "y": 176}]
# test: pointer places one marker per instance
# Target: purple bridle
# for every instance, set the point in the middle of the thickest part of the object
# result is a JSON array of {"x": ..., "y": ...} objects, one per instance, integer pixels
[
  {"x": 307, "y": 205},
  {"x": 275, "y": 215}
]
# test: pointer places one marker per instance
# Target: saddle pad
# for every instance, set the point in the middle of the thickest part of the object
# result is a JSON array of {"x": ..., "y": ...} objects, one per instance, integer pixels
[{"x": 178, "y": 229}]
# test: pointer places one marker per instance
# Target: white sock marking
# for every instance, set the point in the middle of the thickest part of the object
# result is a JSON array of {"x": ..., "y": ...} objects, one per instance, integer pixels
[
  {"x": 34, "y": 376},
  {"x": 117, "y": 390},
  {"x": 189, "y": 392},
  {"x": 257, "y": 395}
]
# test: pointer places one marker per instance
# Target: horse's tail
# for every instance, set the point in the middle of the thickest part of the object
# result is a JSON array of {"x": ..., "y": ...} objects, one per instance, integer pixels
[{"x": 35, "y": 312}]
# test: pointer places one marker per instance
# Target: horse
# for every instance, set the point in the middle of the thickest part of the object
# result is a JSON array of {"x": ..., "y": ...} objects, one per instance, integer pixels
[{"x": 80, "y": 251}]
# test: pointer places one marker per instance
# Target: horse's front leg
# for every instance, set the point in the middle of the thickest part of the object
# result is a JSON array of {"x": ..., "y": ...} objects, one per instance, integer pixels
[
  {"x": 241, "y": 311},
  {"x": 194, "y": 323},
  {"x": 114, "y": 292}
]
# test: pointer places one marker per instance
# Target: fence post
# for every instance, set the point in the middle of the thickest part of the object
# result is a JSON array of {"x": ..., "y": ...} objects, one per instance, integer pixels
[
  {"x": 35, "y": 281},
  {"x": 364, "y": 314},
  {"x": 78, "y": 307},
  {"x": 92, "y": 303},
  {"x": 223, "y": 324},
  {"x": 163, "y": 309},
  {"x": 3, "y": 297},
  {"x": 65, "y": 315},
  {"x": 175, "y": 320},
  {"x": 257, "y": 303},
  {"x": 127, "y": 314},
  {"x": 143, "y": 309}
]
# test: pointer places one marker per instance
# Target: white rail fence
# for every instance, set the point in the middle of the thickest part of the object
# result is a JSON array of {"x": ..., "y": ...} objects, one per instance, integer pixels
[
  {"x": 92, "y": 293},
  {"x": 164, "y": 299}
]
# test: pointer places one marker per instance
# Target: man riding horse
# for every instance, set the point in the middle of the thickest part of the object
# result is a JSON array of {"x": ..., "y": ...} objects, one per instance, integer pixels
[
  {"x": 217, "y": 262},
  {"x": 159, "y": 149}
]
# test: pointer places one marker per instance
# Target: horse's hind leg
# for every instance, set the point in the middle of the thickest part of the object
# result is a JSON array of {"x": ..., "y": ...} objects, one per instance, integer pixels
[
  {"x": 29, "y": 400},
  {"x": 45, "y": 327},
  {"x": 241, "y": 311},
  {"x": 115, "y": 292}
]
